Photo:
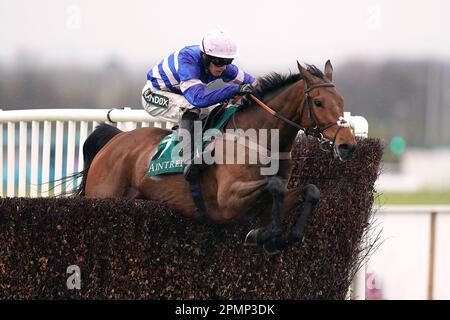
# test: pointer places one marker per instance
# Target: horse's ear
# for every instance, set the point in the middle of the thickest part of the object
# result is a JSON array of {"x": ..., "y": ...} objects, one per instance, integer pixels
[
  {"x": 329, "y": 70},
  {"x": 305, "y": 73}
]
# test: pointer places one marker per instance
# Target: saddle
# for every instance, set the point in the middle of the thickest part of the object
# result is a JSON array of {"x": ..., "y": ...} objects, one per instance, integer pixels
[{"x": 169, "y": 161}]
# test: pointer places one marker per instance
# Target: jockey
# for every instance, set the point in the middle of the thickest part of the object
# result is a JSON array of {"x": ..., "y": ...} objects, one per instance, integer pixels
[{"x": 179, "y": 84}]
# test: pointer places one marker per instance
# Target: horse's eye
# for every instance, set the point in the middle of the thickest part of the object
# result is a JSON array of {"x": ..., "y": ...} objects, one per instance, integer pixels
[{"x": 318, "y": 103}]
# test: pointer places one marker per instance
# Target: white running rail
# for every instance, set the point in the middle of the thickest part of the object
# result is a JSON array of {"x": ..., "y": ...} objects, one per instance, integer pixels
[{"x": 53, "y": 145}]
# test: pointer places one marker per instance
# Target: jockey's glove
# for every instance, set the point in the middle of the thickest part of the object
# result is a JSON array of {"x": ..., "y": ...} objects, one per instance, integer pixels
[{"x": 246, "y": 88}]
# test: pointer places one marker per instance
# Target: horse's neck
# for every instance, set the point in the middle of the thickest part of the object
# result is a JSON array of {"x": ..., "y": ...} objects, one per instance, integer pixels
[{"x": 287, "y": 102}]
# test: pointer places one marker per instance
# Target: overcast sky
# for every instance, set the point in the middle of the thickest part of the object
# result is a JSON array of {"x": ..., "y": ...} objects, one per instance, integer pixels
[{"x": 271, "y": 34}]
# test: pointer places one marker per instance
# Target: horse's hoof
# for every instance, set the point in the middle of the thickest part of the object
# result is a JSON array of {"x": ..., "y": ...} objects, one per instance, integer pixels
[
  {"x": 270, "y": 248},
  {"x": 252, "y": 238},
  {"x": 271, "y": 251}
]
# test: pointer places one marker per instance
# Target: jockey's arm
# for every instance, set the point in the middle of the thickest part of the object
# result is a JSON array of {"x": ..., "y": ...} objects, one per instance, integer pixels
[
  {"x": 236, "y": 75},
  {"x": 198, "y": 95},
  {"x": 195, "y": 91}
]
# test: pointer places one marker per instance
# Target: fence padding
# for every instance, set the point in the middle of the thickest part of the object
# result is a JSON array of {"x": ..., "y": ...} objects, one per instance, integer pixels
[{"x": 145, "y": 250}]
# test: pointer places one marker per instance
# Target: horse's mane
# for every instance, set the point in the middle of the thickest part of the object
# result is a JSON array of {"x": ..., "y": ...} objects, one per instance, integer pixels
[{"x": 274, "y": 81}]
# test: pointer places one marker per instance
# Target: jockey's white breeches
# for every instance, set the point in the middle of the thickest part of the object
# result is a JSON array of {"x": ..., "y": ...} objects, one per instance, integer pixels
[{"x": 167, "y": 105}]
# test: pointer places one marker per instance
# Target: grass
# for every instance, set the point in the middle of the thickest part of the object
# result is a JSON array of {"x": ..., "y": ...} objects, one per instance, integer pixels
[{"x": 411, "y": 198}]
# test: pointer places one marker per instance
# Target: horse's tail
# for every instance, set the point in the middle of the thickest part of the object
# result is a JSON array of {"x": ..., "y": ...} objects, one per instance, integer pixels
[{"x": 94, "y": 142}]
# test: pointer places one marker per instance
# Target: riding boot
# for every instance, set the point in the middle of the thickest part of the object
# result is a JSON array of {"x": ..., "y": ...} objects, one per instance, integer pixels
[{"x": 190, "y": 169}]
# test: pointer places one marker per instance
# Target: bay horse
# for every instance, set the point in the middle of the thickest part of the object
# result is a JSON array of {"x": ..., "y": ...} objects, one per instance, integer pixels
[{"x": 116, "y": 162}]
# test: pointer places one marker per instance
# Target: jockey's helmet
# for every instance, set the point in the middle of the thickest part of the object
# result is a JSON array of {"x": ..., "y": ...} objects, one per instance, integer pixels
[{"x": 219, "y": 44}]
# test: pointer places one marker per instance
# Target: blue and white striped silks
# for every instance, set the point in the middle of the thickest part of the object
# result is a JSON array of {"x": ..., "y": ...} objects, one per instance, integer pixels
[{"x": 183, "y": 72}]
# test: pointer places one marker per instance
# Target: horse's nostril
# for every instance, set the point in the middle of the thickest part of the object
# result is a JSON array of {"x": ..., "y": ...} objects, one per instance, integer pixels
[{"x": 346, "y": 149}]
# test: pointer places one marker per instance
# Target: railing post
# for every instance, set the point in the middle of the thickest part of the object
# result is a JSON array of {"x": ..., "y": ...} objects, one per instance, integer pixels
[
  {"x": 11, "y": 159},
  {"x": 70, "y": 159},
  {"x": 47, "y": 131},
  {"x": 58, "y": 157},
  {"x": 23, "y": 144},
  {"x": 359, "y": 281},
  {"x": 34, "y": 159},
  {"x": 431, "y": 257},
  {"x": 1, "y": 157}
]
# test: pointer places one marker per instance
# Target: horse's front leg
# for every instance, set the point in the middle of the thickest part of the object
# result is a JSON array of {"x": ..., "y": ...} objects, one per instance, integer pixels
[
  {"x": 274, "y": 229},
  {"x": 310, "y": 196}
]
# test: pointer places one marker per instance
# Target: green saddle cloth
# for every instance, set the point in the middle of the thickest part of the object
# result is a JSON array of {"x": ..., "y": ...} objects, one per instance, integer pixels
[{"x": 164, "y": 162}]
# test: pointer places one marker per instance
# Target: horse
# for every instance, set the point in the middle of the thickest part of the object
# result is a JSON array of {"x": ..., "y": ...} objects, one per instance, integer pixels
[{"x": 116, "y": 162}]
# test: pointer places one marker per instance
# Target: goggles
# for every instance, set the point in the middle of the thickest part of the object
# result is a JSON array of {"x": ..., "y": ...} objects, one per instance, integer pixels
[{"x": 220, "y": 62}]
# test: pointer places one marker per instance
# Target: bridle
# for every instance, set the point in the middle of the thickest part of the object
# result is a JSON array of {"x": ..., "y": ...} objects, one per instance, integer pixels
[{"x": 318, "y": 129}]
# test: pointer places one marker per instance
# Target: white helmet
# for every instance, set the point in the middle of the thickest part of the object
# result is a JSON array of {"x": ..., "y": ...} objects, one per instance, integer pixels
[{"x": 218, "y": 43}]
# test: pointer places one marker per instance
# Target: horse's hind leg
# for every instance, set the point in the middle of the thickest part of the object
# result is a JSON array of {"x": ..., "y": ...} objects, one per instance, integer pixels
[
  {"x": 106, "y": 189},
  {"x": 103, "y": 182},
  {"x": 134, "y": 193}
]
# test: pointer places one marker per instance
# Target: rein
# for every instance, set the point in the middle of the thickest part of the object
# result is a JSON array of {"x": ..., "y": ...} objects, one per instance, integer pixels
[{"x": 317, "y": 130}]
